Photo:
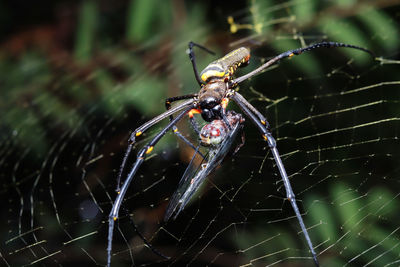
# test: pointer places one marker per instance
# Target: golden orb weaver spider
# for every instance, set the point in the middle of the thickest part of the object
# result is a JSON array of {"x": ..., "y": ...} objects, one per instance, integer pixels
[{"x": 216, "y": 89}]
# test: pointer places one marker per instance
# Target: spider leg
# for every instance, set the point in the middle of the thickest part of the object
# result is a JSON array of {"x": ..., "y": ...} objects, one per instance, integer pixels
[
  {"x": 260, "y": 116},
  {"x": 296, "y": 52},
  {"x": 193, "y": 59},
  {"x": 139, "y": 131},
  {"x": 141, "y": 156},
  {"x": 192, "y": 120},
  {"x": 168, "y": 102},
  {"x": 245, "y": 107},
  {"x": 223, "y": 116}
]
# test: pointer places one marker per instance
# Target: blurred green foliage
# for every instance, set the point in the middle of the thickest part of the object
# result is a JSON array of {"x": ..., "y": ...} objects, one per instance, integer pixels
[
  {"x": 147, "y": 25},
  {"x": 86, "y": 31},
  {"x": 141, "y": 26}
]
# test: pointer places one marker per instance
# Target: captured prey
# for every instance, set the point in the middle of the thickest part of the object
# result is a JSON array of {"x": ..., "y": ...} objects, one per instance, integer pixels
[{"x": 219, "y": 138}]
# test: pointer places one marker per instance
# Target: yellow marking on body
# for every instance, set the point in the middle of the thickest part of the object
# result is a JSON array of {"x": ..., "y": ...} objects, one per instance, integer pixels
[
  {"x": 138, "y": 133},
  {"x": 204, "y": 77},
  {"x": 149, "y": 149},
  {"x": 212, "y": 73},
  {"x": 193, "y": 111}
]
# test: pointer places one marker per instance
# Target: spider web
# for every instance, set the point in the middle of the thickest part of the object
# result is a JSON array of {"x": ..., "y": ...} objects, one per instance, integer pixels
[{"x": 334, "y": 113}]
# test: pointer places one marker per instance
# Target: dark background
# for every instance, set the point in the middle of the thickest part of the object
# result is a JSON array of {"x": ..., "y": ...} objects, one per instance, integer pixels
[{"x": 77, "y": 77}]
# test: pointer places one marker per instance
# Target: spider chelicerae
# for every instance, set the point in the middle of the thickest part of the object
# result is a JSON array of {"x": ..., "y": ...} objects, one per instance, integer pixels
[{"x": 217, "y": 86}]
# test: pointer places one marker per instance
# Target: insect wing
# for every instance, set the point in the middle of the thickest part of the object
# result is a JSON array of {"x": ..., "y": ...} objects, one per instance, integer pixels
[
  {"x": 192, "y": 180},
  {"x": 183, "y": 186}
]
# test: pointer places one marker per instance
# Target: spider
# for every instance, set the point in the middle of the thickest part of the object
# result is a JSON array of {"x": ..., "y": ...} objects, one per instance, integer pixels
[{"x": 217, "y": 88}]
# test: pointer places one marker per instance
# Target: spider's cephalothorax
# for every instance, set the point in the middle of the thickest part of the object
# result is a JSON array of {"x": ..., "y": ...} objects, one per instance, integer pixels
[
  {"x": 217, "y": 83},
  {"x": 210, "y": 99}
]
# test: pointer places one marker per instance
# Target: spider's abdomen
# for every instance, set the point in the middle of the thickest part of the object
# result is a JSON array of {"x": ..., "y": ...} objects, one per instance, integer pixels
[{"x": 225, "y": 67}]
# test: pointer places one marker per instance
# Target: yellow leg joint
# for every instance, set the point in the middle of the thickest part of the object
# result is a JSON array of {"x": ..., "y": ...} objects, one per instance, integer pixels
[
  {"x": 115, "y": 218},
  {"x": 149, "y": 149},
  {"x": 291, "y": 55},
  {"x": 263, "y": 122},
  {"x": 265, "y": 137},
  {"x": 224, "y": 102},
  {"x": 138, "y": 133}
]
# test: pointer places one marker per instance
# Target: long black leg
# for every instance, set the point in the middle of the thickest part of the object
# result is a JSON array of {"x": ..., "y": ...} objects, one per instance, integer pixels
[
  {"x": 193, "y": 59},
  {"x": 169, "y": 100},
  {"x": 168, "y": 103},
  {"x": 139, "y": 131},
  {"x": 272, "y": 145},
  {"x": 260, "y": 116},
  {"x": 296, "y": 52},
  {"x": 141, "y": 156}
]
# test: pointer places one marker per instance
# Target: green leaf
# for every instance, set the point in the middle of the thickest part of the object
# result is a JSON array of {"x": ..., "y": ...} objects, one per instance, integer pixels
[
  {"x": 86, "y": 31},
  {"x": 316, "y": 211},
  {"x": 382, "y": 28},
  {"x": 304, "y": 11},
  {"x": 346, "y": 32},
  {"x": 146, "y": 17}
]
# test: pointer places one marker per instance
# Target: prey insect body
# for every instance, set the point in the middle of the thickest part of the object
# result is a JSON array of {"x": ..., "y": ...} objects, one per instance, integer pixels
[
  {"x": 219, "y": 138},
  {"x": 217, "y": 88}
]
